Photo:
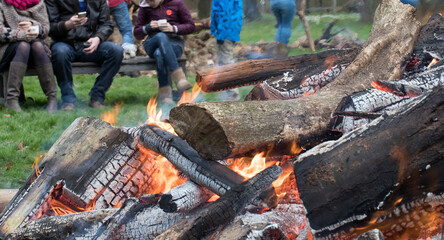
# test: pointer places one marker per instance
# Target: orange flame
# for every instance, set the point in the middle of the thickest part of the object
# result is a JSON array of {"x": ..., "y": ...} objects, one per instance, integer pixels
[
  {"x": 433, "y": 62},
  {"x": 190, "y": 97},
  {"x": 110, "y": 116},
  {"x": 35, "y": 165},
  {"x": 166, "y": 175}
]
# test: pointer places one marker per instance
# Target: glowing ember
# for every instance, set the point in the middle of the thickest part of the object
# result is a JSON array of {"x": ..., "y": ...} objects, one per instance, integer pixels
[
  {"x": 110, "y": 116},
  {"x": 433, "y": 62}
]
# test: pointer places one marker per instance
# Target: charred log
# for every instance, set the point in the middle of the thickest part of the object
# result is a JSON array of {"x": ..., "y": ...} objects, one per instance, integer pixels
[
  {"x": 86, "y": 142},
  {"x": 234, "y": 75},
  {"x": 428, "y": 46},
  {"x": 184, "y": 197},
  {"x": 391, "y": 98},
  {"x": 392, "y": 169},
  {"x": 224, "y": 209},
  {"x": 209, "y": 174},
  {"x": 61, "y": 227},
  {"x": 218, "y": 130}
]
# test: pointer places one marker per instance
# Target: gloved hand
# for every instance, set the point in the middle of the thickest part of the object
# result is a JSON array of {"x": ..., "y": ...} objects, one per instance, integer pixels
[{"x": 129, "y": 50}]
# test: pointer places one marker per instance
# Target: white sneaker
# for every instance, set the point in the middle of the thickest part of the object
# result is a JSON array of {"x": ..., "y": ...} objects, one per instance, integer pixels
[{"x": 129, "y": 50}]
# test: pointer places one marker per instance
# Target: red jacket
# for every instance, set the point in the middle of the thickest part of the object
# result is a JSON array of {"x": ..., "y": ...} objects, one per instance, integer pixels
[
  {"x": 113, "y": 3},
  {"x": 174, "y": 11}
]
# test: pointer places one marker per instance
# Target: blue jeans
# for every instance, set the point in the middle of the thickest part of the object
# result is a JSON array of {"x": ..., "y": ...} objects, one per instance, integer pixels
[
  {"x": 122, "y": 18},
  {"x": 284, "y": 12},
  {"x": 109, "y": 55},
  {"x": 165, "y": 51}
]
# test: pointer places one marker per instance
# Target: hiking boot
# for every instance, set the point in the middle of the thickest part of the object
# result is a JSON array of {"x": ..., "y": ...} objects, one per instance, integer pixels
[
  {"x": 67, "y": 106},
  {"x": 178, "y": 77},
  {"x": 48, "y": 85},
  {"x": 15, "y": 77},
  {"x": 95, "y": 104},
  {"x": 165, "y": 95}
]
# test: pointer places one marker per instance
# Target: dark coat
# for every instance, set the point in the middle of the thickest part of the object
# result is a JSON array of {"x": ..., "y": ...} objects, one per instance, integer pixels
[
  {"x": 174, "y": 11},
  {"x": 99, "y": 23}
]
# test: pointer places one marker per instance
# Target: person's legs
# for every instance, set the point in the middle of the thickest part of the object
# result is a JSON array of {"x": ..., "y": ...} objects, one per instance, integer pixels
[
  {"x": 287, "y": 16},
  {"x": 170, "y": 51},
  {"x": 110, "y": 56},
  {"x": 62, "y": 57},
  {"x": 17, "y": 69},
  {"x": 123, "y": 21},
  {"x": 45, "y": 73}
]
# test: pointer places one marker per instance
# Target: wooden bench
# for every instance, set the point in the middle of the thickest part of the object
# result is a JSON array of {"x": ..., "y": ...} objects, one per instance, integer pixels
[{"x": 138, "y": 63}]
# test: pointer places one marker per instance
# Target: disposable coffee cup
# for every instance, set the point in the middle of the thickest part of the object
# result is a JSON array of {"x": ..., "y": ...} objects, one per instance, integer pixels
[
  {"x": 34, "y": 29},
  {"x": 161, "y": 21}
]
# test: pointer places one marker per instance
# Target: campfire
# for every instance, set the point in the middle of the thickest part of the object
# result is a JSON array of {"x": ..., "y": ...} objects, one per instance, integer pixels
[{"x": 331, "y": 145}]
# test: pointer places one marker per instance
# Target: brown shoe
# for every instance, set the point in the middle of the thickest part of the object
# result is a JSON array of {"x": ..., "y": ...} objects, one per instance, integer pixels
[
  {"x": 165, "y": 95},
  {"x": 95, "y": 104},
  {"x": 178, "y": 77},
  {"x": 67, "y": 106}
]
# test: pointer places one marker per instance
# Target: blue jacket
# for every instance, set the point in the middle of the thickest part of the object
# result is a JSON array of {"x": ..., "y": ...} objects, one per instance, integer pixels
[{"x": 226, "y": 19}]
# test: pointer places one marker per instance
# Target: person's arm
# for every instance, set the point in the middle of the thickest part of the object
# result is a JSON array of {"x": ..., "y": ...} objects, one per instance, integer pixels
[
  {"x": 186, "y": 25},
  {"x": 10, "y": 35},
  {"x": 57, "y": 27},
  {"x": 141, "y": 22},
  {"x": 106, "y": 25}
]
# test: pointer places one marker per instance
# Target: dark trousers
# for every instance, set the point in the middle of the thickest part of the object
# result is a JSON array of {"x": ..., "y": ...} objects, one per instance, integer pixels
[
  {"x": 165, "y": 51},
  {"x": 109, "y": 55}
]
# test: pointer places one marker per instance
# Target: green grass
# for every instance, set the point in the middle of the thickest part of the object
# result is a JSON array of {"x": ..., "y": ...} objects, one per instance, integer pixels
[{"x": 38, "y": 130}]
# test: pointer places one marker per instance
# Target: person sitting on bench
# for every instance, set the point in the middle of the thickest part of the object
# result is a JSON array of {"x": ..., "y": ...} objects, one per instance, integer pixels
[
  {"x": 80, "y": 37},
  {"x": 164, "y": 21},
  {"x": 23, "y": 26}
]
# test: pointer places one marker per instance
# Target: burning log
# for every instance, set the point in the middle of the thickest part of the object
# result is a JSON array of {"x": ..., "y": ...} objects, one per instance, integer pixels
[
  {"x": 137, "y": 219},
  {"x": 374, "y": 234},
  {"x": 234, "y": 75},
  {"x": 61, "y": 227},
  {"x": 357, "y": 109},
  {"x": 184, "y": 197},
  {"x": 388, "y": 175},
  {"x": 209, "y": 174},
  {"x": 221, "y": 129},
  {"x": 224, "y": 209}
]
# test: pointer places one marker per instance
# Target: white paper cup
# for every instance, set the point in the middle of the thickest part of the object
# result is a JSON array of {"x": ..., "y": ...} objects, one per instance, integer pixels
[{"x": 34, "y": 29}]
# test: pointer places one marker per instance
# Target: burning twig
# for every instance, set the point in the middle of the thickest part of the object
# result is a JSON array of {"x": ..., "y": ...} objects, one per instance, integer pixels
[
  {"x": 399, "y": 89},
  {"x": 224, "y": 209}
]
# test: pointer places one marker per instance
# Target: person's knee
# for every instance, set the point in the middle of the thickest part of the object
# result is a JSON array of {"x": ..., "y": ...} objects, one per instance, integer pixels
[
  {"x": 60, "y": 53},
  {"x": 23, "y": 48},
  {"x": 114, "y": 50},
  {"x": 161, "y": 37}
]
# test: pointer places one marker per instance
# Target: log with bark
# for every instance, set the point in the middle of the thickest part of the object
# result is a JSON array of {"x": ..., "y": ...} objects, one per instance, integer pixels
[
  {"x": 386, "y": 175},
  {"x": 224, "y": 209},
  {"x": 234, "y": 75},
  {"x": 218, "y": 130}
]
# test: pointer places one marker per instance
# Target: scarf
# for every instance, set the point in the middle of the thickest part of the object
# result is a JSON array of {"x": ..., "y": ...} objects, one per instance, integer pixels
[{"x": 22, "y": 4}]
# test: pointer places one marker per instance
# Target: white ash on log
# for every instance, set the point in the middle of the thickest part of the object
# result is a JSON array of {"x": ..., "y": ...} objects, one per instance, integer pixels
[
  {"x": 374, "y": 234},
  {"x": 184, "y": 197},
  {"x": 386, "y": 175},
  {"x": 429, "y": 45},
  {"x": 379, "y": 102},
  {"x": 61, "y": 227},
  {"x": 220, "y": 129},
  {"x": 86, "y": 142},
  {"x": 288, "y": 219},
  {"x": 223, "y": 210},
  {"x": 147, "y": 222},
  {"x": 235, "y": 75},
  {"x": 209, "y": 174}
]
